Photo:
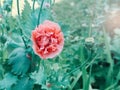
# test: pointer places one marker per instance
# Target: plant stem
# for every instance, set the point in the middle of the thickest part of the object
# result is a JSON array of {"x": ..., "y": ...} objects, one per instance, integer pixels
[
  {"x": 84, "y": 72},
  {"x": 86, "y": 80},
  {"x": 33, "y": 5},
  {"x": 40, "y": 11},
  {"x": 109, "y": 59},
  {"x": 75, "y": 81},
  {"x": 20, "y": 24},
  {"x": 50, "y": 2},
  {"x": 23, "y": 38},
  {"x": 1, "y": 45},
  {"x": 111, "y": 87},
  {"x": 84, "y": 64},
  {"x": 18, "y": 9}
]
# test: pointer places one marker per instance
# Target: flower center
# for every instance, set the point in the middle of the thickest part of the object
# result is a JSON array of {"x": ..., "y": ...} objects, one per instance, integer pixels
[{"x": 47, "y": 43}]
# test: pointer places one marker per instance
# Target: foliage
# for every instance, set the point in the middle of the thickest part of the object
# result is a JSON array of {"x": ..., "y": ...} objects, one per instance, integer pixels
[{"x": 90, "y": 58}]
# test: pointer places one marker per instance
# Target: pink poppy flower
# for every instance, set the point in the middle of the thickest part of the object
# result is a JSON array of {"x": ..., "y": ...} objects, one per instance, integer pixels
[{"x": 48, "y": 40}]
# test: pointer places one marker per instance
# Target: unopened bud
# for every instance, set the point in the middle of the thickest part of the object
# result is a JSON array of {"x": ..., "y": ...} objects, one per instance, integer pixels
[
  {"x": 46, "y": 5},
  {"x": 89, "y": 40}
]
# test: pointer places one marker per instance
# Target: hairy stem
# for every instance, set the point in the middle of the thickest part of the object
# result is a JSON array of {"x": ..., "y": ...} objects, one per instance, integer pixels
[
  {"x": 40, "y": 11},
  {"x": 109, "y": 59},
  {"x": 18, "y": 9},
  {"x": 33, "y": 7}
]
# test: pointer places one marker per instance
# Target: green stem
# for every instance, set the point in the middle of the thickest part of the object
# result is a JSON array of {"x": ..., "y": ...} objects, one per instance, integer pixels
[
  {"x": 76, "y": 69},
  {"x": 1, "y": 45},
  {"x": 18, "y": 9},
  {"x": 50, "y": 2},
  {"x": 33, "y": 7},
  {"x": 40, "y": 11},
  {"x": 79, "y": 74},
  {"x": 90, "y": 27},
  {"x": 109, "y": 59},
  {"x": 84, "y": 72},
  {"x": 23, "y": 38},
  {"x": 1, "y": 60},
  {"x": 79, "y": 67},
  {"x": 111, "y": 87},
  {"x": 89, "y": 78},
  {"x": 75, "y": 81}
]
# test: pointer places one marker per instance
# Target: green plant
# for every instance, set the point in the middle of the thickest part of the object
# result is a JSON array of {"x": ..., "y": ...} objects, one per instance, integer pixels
[{"x": 90, "y": 57}]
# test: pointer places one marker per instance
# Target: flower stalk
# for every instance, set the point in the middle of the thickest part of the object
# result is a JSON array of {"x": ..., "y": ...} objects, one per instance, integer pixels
[
  {"x": 40, "y": 11},
  {"x": 1, "y": 46},
  {"x": 18, "y": 10},
  {"x": 109, "y": 59},
  {"x": 33, "y": 6}
]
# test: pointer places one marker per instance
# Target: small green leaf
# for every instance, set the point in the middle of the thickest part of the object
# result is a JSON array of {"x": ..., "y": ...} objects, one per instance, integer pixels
[
  {"x": 24, "y": 83},
  {"x": 19, "y": 61},
  {"x": 8, "y": 81}
]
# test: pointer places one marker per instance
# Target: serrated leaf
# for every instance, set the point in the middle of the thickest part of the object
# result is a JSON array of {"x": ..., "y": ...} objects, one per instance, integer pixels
[
  {"x": 26, "y": 11},
  {"x": 11, "y": 45},
  {"x": 8, "y": 81},
  {"x": 45, "y": 15},
  {"x": 39, "y": 77},
  {"x": 24, "y": 83},
  {"x": 12, "y": 23},
  {"x": 19, "y": 61},
  {"x": 33, "y": 19}
]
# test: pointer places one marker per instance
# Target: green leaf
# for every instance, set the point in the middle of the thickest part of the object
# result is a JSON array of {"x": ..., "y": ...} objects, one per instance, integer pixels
[
  {"x": 19, "y": 61},
  {"x": 8, "y": 81},
  {"x": 39, "y": 77},
  {"x": 24, "y": 83},
  {"x": 26, "y": 11},
  {"x": 46, "y": 14},
  {"x": 65, "y": 28},
  {"x": 30, "y": 25},
  {"x": 12, "y": 23},
  {"x": 32, "y": 21},
  {"x": 115, "y": 47},
  {"x": 11, "y": 45}
]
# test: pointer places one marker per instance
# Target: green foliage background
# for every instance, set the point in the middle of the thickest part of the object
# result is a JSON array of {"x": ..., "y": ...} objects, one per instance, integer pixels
[{"x": 90, "y": 58}]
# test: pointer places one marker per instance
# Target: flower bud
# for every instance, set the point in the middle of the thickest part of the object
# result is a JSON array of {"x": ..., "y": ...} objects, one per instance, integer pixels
[{"x": 89, "y": 40}]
